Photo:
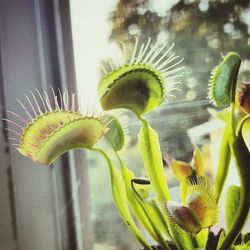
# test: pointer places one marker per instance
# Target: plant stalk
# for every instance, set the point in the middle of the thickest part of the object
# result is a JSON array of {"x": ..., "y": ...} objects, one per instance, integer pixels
[{"x": 120, "y": 198}]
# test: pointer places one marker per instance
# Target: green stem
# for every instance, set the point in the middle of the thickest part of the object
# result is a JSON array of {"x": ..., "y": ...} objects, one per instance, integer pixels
[
  {"x": 119, "y": 196},
  {"x": 142, "y": 210},
  {"x": 161, "y": 240},
  {"x": 242, "y": 160},
  {"x": 232, "y": 133},
  {"x": 201, "y": 238},
  {"x": 241, "y": 157},
  {"x": 223, "y": 165}
]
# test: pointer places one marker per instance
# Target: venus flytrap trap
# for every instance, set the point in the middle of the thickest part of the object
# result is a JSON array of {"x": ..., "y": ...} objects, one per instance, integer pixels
[
  {"x": 50, "y": 131},
  {"x": 140, "y": 85},
  {"x": 198, "y": 201},
  {"x": 143, "y": 77}
]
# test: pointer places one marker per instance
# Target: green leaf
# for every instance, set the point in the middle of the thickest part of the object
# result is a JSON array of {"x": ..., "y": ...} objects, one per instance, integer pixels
[
  {"x": 120, "y": 198},
  {"x": 232, "y": 204},
  {"x": 241, "y": 156},
  {"x": 145, "y": 212},
  {"x": 223, "y": 164},
  {"x": 198, "y": 161},
  {"x": 142, "y": 187},
  {"x": 201, "y": 238},
  {"x": 181, "y": 238},
  {"x": 222, "y": 235},
  {"x": 140, "y": 215},
  {"x": 152, "y": 158},
  {"x": 183, "y": 190}
]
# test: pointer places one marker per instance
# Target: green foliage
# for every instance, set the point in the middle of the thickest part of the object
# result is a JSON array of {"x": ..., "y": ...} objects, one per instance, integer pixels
[
  {"x": 221, "y": 238},
  {"x": 180, "y": 169},
  {"x": 146, "y": 211},
  {"x": 232, "y": 203},
  {"x": 198, "y": 161},
  {"x": 223, "y": 165},
  {"x": 201, "y": 238}
]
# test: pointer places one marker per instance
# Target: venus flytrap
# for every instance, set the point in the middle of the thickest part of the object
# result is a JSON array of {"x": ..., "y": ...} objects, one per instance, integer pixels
[
  {"x": 244, "y": 96},
  {"x": 195, "y": 185},
  {"x": 142, "y": 78},
  {"x": 140, "y": 85},
  {"x": 183, "y": 169},
  {"x": 180, "y": 169},
  {"x": 197, "y": 161},
  {"x": 232, "y": 202},
  {"x": 198, "y": 202}
]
